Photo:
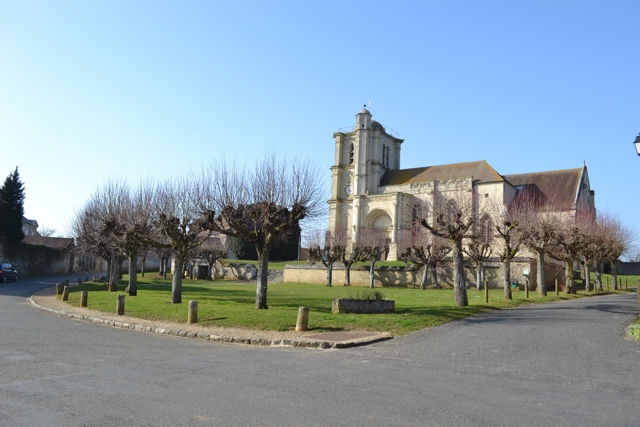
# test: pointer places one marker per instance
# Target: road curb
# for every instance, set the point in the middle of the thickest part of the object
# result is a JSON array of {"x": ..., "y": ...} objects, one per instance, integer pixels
[{"x": 185, "y": 333}]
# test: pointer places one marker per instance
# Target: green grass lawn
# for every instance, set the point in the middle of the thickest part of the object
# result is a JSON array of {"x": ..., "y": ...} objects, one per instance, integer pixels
[{"x": 231, "y": 304}]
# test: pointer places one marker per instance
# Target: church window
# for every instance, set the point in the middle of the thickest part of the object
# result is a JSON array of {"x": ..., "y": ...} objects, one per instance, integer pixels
[
  {"x": 486, "y": 229},
  {"x": 387, "y": 158},
  {"x": 452, "y": 211},
  {"x": 414, "y": 216},
  {"x": 384, "y": 150},
  {"x": 351, "y": 154}
]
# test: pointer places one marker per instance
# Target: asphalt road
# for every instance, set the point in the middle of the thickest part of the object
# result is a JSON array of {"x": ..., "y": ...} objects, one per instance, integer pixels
[{"x": 559, "y": 364}]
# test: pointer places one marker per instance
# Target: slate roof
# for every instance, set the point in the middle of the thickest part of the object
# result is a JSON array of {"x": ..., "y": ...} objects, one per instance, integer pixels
[
  {"x": 480, "y": 170},
  {"x": 561, "y": 186}
]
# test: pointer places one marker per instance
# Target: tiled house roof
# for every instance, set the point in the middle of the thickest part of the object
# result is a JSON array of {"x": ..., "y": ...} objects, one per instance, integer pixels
[
  {"x": 60, "y": 243},
  {"x": 480, "y": 171}
]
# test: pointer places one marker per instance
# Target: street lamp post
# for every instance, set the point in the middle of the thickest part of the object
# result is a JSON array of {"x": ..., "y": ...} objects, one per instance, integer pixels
[{"x": 637, "y": 144}]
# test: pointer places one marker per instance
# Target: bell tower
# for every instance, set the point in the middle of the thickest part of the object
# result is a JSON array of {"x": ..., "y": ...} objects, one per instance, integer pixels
[{"x": 362, "y": 155}]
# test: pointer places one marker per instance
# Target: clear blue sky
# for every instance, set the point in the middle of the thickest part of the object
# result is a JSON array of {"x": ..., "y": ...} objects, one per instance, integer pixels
[{"x": 96, "y": 89}]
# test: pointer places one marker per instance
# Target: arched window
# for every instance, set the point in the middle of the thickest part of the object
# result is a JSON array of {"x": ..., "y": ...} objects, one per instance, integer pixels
[
  {"x": 387, "y": 159},
  {"x": 414, "y": 216},
  {"x": 452, "y": 211},
  {"x": 352, "y": 150},
  {"x": 486, "y": 229},
  {"x": 384, "y": 156}
]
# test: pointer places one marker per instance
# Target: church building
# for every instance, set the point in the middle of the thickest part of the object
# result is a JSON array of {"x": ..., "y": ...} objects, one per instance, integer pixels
[{"x": 369, "y": 189}]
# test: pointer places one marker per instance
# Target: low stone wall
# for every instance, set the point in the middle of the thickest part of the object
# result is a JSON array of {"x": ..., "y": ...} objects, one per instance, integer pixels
[
  {"x": 317, "y": 273},
  {"x": 362, "y": 306}
]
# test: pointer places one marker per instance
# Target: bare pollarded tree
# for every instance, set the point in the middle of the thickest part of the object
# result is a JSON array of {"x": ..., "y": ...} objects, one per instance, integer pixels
[
  {"x": 417, "y": 246},
  {"x": 98, "y": 225},
  {"x": 261, "y": 204},
  {"x": 88, "y": 233},
  {"x": 568, "y": 242},
  {"x": 540, "y": 220},
  {"x": 372, "y": 243},
  {"x": 182, "y": 225},
  {"x": 453, "y": 219},
  {"x": 508, "y": 231},
  {"x": 616, "y": 241},
  {"x": 212, "y": 250},
  {"x": 130, "y": 225},
  {"x": 480, "y": 247},
  {"x": 329, "y": 248}
]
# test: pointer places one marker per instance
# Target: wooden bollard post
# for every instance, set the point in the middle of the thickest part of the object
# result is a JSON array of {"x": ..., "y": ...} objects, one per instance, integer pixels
[
  {"x": 607, "y": 284},
  {"x": 80, "y": 281},
  {"x": 526, "y": 288},
  {"x": 59, "y": 288},
  {"x": 303, "y": 319},
  {"x": 120, "y": 305},
  {"x": 83, "y": 298},
  {"x": 486, "y": 292},
  {"x": 192, "y": 316},
  {"x": 65, "y": 293},
  {"x": 626, "y": 283},
  {"x": 557, "y": 287}
]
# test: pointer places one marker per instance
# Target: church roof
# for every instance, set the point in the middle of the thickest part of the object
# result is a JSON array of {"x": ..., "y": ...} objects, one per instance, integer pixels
[
  {"x": 561, "y": 186},
  {"x": 480, "y": 171}
]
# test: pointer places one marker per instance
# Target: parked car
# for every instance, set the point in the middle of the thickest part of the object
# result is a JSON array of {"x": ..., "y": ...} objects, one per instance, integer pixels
[{"x": 7, "y": 272}]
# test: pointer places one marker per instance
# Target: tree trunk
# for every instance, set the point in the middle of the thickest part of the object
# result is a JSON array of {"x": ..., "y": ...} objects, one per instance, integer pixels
[
  {"x": 165, "y": 261},
  {"x": 506, "y": 270},
  {"x": 176, "y": 284},
  {"x": 263, "y": 277},
  {"x": 598, "y": 284},
  {"x": 478, "y": 275},
  {"x": 423, "y": 280},
  {"x": 587, "y": 277},
  {"x": 568, "y": 277},
  {"x": 133, "y": 276},
  {"x": 112, "y": 272},
  {"x": 614, "y": 274},
  {"x": 459, "y": 283},
  {"x": 144, "y": 259},
  {"x": 109, "y": 263},
  {"x": 329, "y": 274},
  {"x": 347, "y": 275},
  {"x": 211, "y": 270},
  {"x": 541, "y": 278},
  {"x": 120, "y": 262},
  {"x": 434, "y": 276},
  {"x": 371, "y": 275}
]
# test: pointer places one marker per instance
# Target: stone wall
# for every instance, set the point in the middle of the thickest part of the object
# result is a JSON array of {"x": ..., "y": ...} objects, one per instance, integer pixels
[
  {"x": 36, "y": 260},
  {"x": 408, "y": 276},
  {"x": 628, "y": 268}
]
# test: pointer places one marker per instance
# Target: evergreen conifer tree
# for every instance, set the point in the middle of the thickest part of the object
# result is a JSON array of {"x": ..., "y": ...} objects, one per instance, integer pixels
[{"x": 12, "y": 209}]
